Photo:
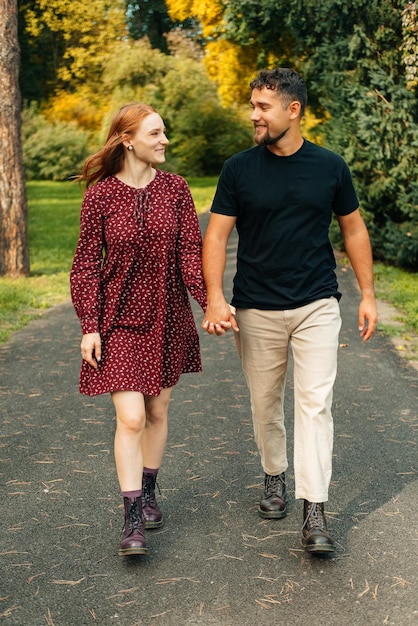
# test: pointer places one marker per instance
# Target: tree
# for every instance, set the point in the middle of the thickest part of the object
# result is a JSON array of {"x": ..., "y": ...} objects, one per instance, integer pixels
[
  {"x": 149, "y": 18},
  {"x": 362, "y": 64},
  {"x": 38, "y": 68},
  {"x": 74, "y": 41},
  {"x": 202, "y": 134},
  {"x": 229, "y": 64},
  {"x": 360, "y": 61},
  {"x": 410, "y": 44},
  {"x": 14, "y": 254}
]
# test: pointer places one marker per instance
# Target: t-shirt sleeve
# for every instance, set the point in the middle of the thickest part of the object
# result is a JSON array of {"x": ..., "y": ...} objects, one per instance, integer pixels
[
  {"x": 345, "y": 199},
  {"x": 225, "y": 200}
]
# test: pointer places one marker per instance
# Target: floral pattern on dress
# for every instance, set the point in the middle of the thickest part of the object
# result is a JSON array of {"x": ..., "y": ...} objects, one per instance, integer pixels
[{"x": 138, "y": 253}]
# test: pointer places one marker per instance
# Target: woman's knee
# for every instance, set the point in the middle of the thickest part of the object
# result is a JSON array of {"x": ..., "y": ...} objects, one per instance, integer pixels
[
  {"x": 157, "y": 407},
  {"x": 130, "y": 411},
  {"x": 130, "y": 421},
  {"x": 156, "y": 414}
]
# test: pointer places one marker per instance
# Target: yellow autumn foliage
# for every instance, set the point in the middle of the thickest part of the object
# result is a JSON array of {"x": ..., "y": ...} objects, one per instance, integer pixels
[
  {"x": 88, "y": 34},
  {"x": 80, "y": 107},
  {"x": 208, "y": 13},
  {"x": 230, "y": 66}
]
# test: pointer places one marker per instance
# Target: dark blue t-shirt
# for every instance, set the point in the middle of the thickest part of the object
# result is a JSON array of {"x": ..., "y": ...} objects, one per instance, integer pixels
[{"x": 284, "y": 207}]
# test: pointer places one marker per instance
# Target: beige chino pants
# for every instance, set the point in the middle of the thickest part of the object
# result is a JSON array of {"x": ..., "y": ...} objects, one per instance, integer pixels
[{"x": 263, "y": 342}]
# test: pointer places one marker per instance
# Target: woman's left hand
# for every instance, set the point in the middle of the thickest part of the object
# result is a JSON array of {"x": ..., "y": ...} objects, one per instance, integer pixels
[{"x": 91, "y": 349}]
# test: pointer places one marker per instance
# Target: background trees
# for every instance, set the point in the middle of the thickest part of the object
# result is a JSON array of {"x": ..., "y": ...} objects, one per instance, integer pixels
[
  {"x": 149, "y": 18},
  {"x": 201, "y": 132},
  {"x": 356, "y": 63},
  {"x": 75, "y": 40},
  {"x": 360, "y": 61},
  {"x": 194, "y": 62}
]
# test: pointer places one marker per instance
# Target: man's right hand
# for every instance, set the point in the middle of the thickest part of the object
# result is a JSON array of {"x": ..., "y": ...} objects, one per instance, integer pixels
[{"x": 219, "y": 318}]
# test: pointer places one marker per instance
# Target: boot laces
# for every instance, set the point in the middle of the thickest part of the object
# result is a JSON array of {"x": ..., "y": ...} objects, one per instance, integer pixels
[
  {"x": 275, "y": 485},
  {"x": 315, "y": 518},
  {"x": 148, "y": 490},
  {"x": 134, "y": 517}
]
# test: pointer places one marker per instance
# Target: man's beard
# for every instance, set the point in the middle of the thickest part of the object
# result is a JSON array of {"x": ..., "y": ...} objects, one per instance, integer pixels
[{"x": 268, "y": 140}]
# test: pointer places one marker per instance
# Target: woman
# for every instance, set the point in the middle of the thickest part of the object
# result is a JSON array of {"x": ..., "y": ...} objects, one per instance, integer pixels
[{"x": 139, "y": 249}]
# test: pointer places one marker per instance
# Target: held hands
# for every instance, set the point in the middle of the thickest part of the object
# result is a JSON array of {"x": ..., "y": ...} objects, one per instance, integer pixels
[
  {"x": 91, "y": 349},
  {"x": 219, "y": 318}
]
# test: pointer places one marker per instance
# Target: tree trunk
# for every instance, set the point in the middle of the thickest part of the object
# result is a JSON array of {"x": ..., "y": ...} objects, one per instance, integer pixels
[{"x": 14, "y": 253}]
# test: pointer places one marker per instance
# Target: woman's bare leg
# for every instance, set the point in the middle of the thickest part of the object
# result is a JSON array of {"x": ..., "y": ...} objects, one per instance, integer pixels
[
  {"x": 130, "y": 425},
  {"x": 154, "y": 437}
]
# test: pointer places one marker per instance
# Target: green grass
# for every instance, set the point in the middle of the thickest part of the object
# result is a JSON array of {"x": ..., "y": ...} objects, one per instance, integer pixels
[
  {"x": 53, "y": 230},
  {"x": 53, "y": 219},
  {"x": 203, "y": 190},
  {"x": 400, "y": 289}
]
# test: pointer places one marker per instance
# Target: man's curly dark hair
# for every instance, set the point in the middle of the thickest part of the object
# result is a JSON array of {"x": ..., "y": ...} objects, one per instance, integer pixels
[{"x": 286, "y": 82}]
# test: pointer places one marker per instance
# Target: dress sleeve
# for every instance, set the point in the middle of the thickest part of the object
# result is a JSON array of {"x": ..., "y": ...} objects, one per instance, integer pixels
[
  {"x": 189, "y": 247},
  {"x": 87, "y": 263}
]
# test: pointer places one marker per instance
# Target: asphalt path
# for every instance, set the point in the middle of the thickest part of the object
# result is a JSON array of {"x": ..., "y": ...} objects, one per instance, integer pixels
[{"x": 215, "y": 562}]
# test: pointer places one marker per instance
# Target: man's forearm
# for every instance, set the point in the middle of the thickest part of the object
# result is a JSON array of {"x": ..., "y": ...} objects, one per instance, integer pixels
[
  {"x": 359, "y": 252},
  {"x": 214, "y": 261}
]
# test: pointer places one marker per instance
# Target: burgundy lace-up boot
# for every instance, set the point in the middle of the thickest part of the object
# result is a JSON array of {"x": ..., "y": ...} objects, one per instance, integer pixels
[
  {"x": 152, "y": 513},
  {"x": 273, "y": 504},
  {"x": 315, "y": 535},
  {"x": 133, "y": 533}
]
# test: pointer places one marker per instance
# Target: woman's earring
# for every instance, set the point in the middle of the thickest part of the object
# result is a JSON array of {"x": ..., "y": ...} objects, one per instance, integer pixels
[{"x": 130, "y": 147}]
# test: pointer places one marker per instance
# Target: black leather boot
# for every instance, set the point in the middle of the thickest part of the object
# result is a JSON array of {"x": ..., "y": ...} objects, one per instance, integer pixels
[
  {"x": 151, "y": 510},
  {"x": 315, "y": 535},
  {"x": 133, "y": 533},
  {"x": 273, "y": 505}
]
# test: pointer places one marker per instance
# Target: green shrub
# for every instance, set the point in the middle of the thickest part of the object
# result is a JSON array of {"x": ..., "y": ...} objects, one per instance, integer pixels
[
  {"x": 396, "y": 244},
  {"x": 51, "y": 151},
  {"x": 204, "y": 135}
]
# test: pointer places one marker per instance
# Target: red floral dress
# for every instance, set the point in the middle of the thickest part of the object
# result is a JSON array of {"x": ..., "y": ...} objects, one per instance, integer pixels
[{"x": 138, "y": 252}]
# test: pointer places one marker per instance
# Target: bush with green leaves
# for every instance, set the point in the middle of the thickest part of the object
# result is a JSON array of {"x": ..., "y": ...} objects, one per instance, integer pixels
[
  {"x": 360, "y": 65},
  {"x": 51, "y": 151},
  {"x": 374, "y": 126},
  {"x": 202, "y": 134}
]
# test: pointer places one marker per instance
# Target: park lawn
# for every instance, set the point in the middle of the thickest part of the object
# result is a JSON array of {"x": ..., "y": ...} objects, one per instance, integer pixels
[
  {"x": 400, "y": 289},
  {"x": 53, "y": 230}
]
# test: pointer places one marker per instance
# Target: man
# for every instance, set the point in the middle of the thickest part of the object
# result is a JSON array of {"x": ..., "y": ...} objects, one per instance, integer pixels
[{"x": 280, "y": 195}]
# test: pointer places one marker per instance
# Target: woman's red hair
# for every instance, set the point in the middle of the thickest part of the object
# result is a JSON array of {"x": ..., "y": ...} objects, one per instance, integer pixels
[{"x": 109, "y": 159}]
